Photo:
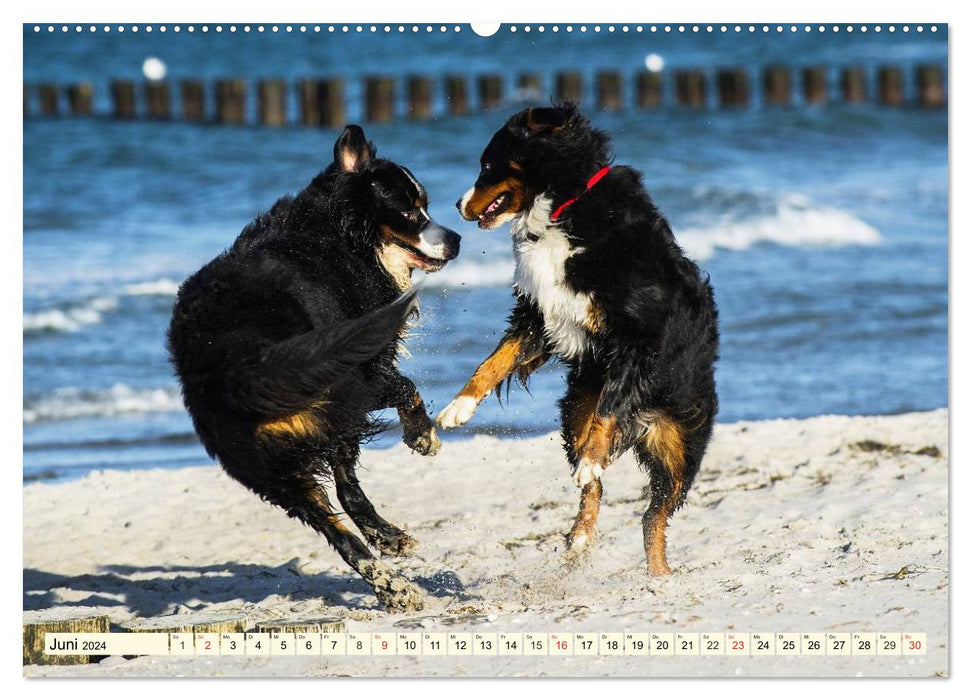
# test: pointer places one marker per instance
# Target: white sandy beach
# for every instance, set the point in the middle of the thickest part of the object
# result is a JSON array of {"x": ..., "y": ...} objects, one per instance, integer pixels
[{"x": 792, "y": 526}]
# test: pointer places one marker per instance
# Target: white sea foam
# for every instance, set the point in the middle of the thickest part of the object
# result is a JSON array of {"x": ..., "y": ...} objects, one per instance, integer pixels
[
  {"x": 497, "y": 273},
  {"x": 165, "y": 287},
  {"x": 71, "y": 402},
  {"x": 70, "y": 318},
  {"x": 794, "y": 223},
  {"x": 74, "y": 317}
]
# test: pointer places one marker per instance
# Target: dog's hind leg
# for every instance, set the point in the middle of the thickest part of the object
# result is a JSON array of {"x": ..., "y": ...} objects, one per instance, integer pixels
[
  {"x": 578, "y": 414},
  {"x": 394, "y": 592},
  {"x": 670, "y": 454},
  {"x": 387, "y": 538},
  {"x": 303, "y": 497}
]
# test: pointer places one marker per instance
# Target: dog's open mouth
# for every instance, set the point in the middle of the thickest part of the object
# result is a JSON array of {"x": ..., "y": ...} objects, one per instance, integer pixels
[
  {"x": 492, "y": 212},
  {"x": 422, "y": 261}
]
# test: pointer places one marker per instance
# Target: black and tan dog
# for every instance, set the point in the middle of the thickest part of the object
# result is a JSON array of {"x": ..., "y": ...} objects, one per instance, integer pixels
[
  {"x": 287, "y": 342},
  {"x": 602, "y": 285}
]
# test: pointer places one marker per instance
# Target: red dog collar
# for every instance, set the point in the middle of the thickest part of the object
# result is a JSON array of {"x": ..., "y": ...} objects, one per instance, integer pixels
[{"x": 590, "y": 183}]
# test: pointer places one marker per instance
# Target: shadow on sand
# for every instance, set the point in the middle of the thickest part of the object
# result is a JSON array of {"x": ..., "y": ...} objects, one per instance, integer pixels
[{"x": 162, "y": 590}]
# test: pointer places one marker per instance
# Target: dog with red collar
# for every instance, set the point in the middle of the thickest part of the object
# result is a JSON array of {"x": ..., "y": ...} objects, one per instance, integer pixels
[{"x": 602, "y": 285}]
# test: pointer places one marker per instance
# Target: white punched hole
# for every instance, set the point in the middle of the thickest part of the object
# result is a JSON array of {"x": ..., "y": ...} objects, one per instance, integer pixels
[{"x": 485, "y": 28}]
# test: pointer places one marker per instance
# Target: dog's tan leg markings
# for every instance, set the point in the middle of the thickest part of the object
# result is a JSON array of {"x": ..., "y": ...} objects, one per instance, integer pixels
[
  {"x": 504, "y": 360},
  {"x": 319, "y": 498},
  {"x": 394, "y": 591},
  {"x": 594, "y": 455},
  {"x": 578, "y": 421},
  {"x": 585, "y": 526},
  {"x": 665, "y": 441}
]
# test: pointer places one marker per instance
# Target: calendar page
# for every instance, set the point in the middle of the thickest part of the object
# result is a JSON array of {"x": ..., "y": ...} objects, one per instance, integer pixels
[{"x": 436, "y": 349}]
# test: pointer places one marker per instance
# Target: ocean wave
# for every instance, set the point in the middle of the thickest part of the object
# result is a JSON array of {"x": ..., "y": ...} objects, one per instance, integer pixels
[
  {"x": 747, "y": 220},
  {"x": 751, "y": 219},
  {"x": 72, "y": 317},
  {"x": 794, "y": 223},
  {"x": 498, "y": 273},
  {"x": 68, "y": 403},
  {"x": 69, "y": 318},
  {"x": 161, "y": 287}
]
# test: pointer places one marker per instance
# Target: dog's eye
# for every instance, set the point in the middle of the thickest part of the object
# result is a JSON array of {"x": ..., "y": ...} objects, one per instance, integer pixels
[
  {"x": 410, "y": 215},
  {"x": 486, "y": 167}
]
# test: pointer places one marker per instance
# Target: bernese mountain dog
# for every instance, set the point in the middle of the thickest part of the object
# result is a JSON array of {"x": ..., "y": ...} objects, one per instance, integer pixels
[
  {"x": 602, "y": 285},
  {"x": 287, "y": 342}
]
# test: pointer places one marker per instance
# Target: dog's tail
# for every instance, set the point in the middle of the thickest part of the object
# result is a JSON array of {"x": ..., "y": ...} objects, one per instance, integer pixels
[{"x": 291, "y": 375}]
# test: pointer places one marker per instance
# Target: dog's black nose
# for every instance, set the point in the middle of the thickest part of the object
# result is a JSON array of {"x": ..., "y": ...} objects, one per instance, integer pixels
[
  {"x": 458, "y": 204},
  {"x": 452, "y": 244}
]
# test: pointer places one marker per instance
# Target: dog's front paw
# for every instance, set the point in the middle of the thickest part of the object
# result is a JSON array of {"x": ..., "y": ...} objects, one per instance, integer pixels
[
  {"x": 578, "y": 542},
  {"x": 424, "y": 443},
  {"x": 586, "y": 471},
  {"x": 457, "y": 413}
]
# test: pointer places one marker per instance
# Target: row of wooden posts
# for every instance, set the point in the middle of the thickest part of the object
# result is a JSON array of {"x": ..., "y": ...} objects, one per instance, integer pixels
[{"x": 322, "y": 101}]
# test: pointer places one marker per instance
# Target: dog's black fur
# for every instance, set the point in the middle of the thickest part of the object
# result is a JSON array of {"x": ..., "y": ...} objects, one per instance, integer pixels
[
  {"x": 286, "y": 342},
  {"x": 641, "y": 364}
]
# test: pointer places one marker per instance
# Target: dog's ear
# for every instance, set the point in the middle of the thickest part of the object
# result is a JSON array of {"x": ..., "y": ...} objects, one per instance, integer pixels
[
  {"x": 548, "y": 120},
  {"x": 353, "y": 151}
]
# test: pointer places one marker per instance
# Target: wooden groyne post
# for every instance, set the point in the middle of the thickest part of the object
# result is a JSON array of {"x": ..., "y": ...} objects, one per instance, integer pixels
[
  {"x": 814, "y": 88},
  {"x": 419, "y": 97},
  {"x": 610, "y": 95},
  {"x": 37, "y": 624},
  {"x": 648, "y": 87},
  {"x": 80, "y": 97},
  {"x": 272, "y": 96},
  {"x": 456, "y": 95},
  {"x": 379, "y": 99},
  {"x": 193, "y": 100},
  {"x": 490, "y": 91},
  {"x": 530, "y": 87},
  {"x": 691, "y": 88},
  {"x": 231, "y": 101},
  {"x": 569, "y": 86},
  {"x": 49, "y": 100},
  {"x": 123, "y": 97},
  {"x": 777, "y": 85},
  {"x": 158, "y": 104},
  {"x": 853, "y": 84},
  {"x": 930, "y": 87},
  {"x": 733, "y": 87},
  {"x": 890, "y": 86},
  {"x": 321, "y": 101}
]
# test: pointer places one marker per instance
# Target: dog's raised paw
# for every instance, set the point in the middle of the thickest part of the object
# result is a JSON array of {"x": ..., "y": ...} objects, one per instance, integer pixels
[
  {"x": 426, "y": 443},
  {"x": 586, "y": 471},
  {"x": 457, "y": 413}
]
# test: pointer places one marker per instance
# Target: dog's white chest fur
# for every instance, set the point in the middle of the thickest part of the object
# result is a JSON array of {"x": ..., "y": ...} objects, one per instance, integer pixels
[{"x": 541, "y": 274}]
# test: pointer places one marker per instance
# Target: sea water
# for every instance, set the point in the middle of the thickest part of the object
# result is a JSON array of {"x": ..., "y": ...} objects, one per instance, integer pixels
[{"x": 823, "y": 227}]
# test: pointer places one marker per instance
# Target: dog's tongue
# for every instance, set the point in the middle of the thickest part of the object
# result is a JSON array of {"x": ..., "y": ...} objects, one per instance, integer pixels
[{"x": 495, "y": 204}]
